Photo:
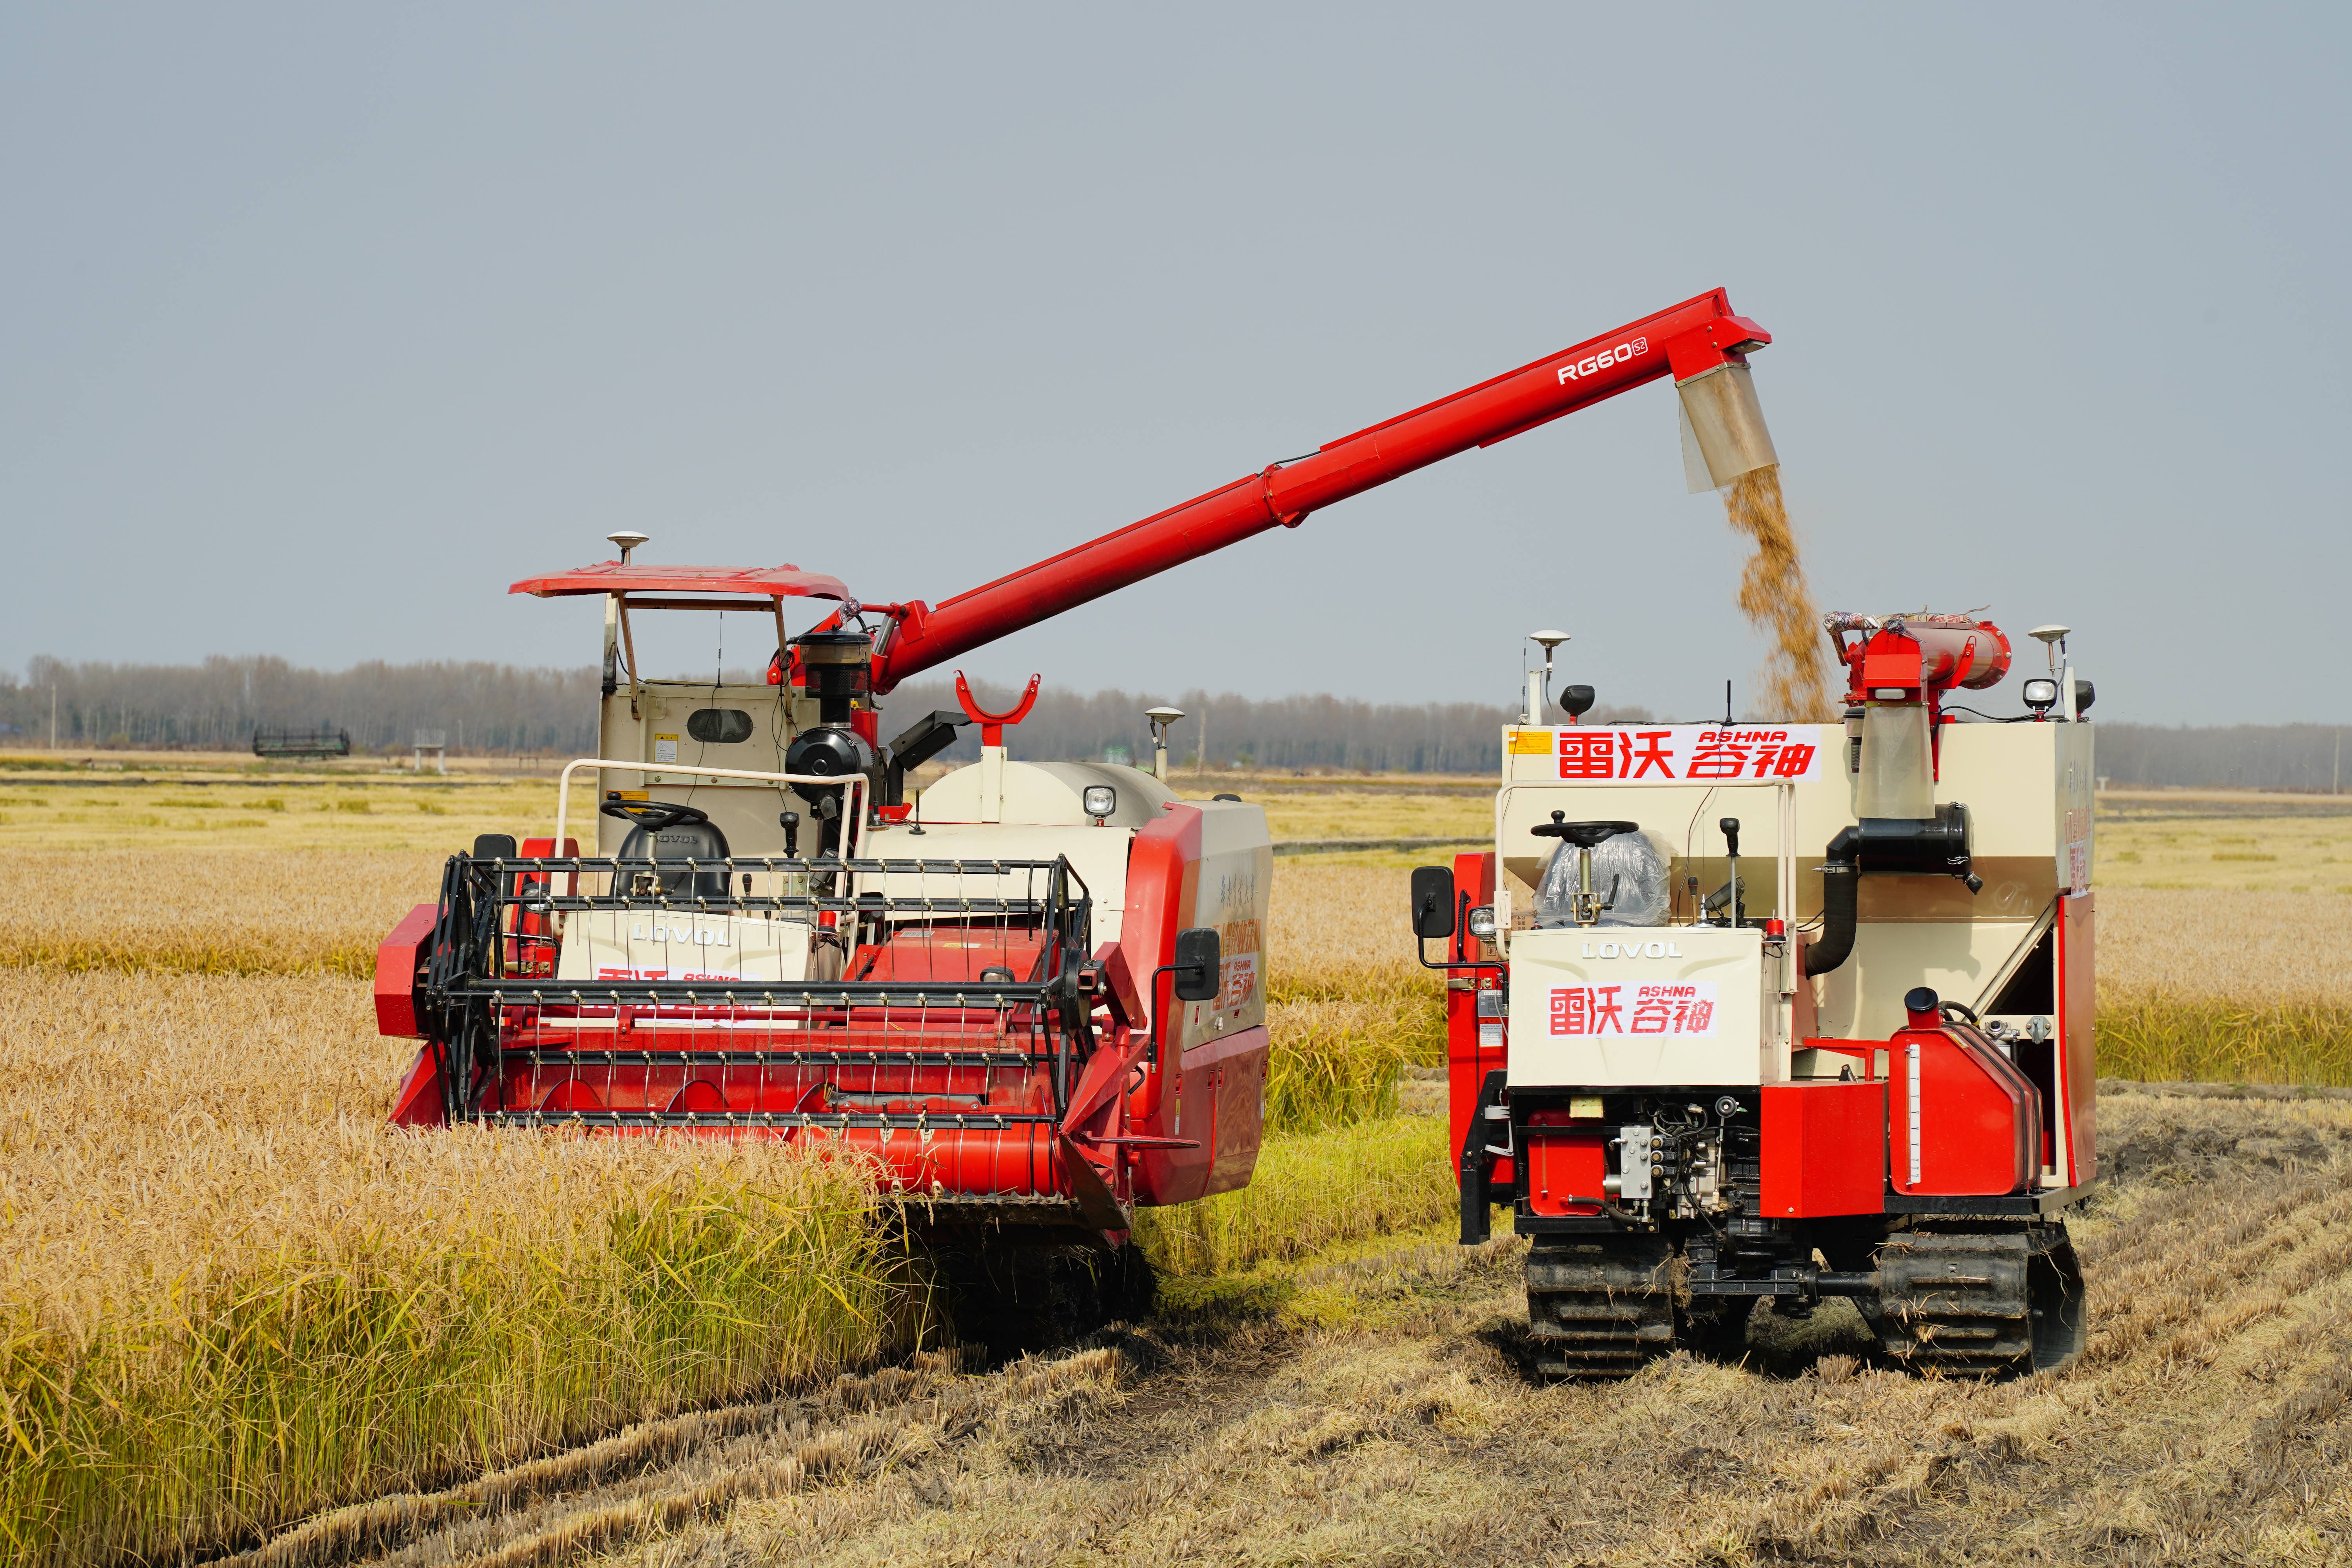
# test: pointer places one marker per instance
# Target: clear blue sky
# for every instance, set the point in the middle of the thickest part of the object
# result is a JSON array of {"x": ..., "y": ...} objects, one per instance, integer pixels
[{"x": 323, "y": 323}]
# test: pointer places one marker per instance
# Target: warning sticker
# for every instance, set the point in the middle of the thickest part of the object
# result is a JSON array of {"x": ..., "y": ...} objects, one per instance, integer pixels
[{"x": 665, "y": 748}]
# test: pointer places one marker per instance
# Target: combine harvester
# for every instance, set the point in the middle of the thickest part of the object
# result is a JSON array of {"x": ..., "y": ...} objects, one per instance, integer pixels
[
  {"x": 1035, "y": 1004},
  {"x": 1868, "y": 1075}
]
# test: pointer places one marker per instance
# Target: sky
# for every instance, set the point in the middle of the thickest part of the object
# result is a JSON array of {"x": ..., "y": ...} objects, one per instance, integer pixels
[{"x": 323, "y": 324}]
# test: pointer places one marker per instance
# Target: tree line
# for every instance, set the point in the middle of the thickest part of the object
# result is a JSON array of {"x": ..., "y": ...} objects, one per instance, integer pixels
[{"x": 500, "y": 709}]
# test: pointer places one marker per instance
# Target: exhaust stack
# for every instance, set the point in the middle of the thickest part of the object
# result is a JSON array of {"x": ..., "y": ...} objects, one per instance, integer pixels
[{"x": 1723, "y": 427}]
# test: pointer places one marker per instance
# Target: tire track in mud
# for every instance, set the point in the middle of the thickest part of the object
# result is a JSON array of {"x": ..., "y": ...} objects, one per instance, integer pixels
[{"x": 661, "y": 1476}]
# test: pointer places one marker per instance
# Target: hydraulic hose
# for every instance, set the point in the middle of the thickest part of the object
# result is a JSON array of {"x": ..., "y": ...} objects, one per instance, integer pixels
[{"x": 1841, "y": 894}]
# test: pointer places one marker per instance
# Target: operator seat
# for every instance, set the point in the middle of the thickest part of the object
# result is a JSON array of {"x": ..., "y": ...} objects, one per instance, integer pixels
[{"x": 699, "y": 841}]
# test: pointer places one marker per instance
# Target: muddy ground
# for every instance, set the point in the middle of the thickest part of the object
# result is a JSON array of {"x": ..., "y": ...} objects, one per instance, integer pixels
[{"x": 1381, "y": 1408}]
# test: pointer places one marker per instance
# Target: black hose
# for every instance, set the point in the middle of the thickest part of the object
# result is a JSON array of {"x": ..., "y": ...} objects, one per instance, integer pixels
[{"x": 1841, "y": 894}]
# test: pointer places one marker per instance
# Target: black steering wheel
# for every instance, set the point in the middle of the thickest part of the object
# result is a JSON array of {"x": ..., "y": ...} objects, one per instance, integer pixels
[
  {"x": 658, "y": 815},
  {"x": 1583, "y": 834}
]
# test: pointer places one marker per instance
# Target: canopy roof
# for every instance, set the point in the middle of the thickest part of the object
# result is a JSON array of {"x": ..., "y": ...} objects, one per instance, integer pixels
[{"x": 613, "y": 578}]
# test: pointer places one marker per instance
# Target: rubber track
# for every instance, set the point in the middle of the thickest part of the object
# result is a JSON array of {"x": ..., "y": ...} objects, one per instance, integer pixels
[
  {"x": 1960, "y": 1302},
  {"x": 1600, "y": 1309}
]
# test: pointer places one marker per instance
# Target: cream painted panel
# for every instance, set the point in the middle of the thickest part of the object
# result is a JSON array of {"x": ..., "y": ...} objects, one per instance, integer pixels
[
  {"x": 1957, "y": 958},
  {"x": 1048, "y": 793},
  {"x": 1098, "y": 855},
  {"x": 1733, "y": 1051},
  {"x": 2004, "y": 772}
]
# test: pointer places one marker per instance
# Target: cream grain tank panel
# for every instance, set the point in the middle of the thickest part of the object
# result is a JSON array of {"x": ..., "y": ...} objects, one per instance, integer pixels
[{"x": 1619, "y": 1006}]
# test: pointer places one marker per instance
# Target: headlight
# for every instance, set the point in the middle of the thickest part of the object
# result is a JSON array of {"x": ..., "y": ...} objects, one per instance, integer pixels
[
  {"x": 2040, "y": 695},
  {"x": 1101, "y": 800},
  {"x": 1482, "y": 922}
]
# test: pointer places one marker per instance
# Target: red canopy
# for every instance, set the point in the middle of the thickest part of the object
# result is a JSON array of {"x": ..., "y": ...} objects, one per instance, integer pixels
[{"x": 612, "y": 577}]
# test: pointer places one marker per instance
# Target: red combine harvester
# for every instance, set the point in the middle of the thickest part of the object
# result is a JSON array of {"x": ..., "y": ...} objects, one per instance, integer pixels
[
  {"x": 1873, "y": 1078},
  {"x": 1036, "y": 1002}
]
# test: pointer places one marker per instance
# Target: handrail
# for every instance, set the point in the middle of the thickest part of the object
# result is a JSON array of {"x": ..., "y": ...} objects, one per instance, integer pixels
[{"x": 856, "y": 819}]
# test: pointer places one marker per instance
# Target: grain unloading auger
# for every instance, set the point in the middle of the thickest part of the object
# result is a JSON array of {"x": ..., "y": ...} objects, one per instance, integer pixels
[{"x": 1039, "y": 1000}]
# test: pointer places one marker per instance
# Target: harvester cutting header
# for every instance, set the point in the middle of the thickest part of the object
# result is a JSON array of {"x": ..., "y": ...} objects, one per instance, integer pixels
[{"x": 1038, "y": 1000}]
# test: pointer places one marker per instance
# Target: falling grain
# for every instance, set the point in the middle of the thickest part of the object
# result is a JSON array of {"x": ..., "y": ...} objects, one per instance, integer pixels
[{"x": 1774, "y": 597}]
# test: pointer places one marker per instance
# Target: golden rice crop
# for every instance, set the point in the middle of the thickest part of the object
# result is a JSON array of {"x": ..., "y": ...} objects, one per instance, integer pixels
[
  {"x": 211, "y": 912},
  {"x": 231, "y": 1296},
  {"x": 1338, "y": 932},
  {"x": 1311, "y": 1191},
  {"x": 2245, "y": 947},
  {"x": 2169, "y": 1039}
]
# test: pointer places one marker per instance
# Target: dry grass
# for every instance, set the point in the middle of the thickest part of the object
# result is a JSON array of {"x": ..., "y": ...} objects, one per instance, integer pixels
[
  {"x": 2196, "y": 845},
  {"x": 1349, "y": 1008},
  {"x": 2242, "y": 947},
  {"x": 1377, "y": 1408},
  {"x": 276, "y": 816},
  {"x": 230, "y": 1296}
]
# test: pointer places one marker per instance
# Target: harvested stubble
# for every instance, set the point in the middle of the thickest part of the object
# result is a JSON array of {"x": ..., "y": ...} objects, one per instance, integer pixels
[
  {"x": 2211, "y": 1422},
  {"x": 232, "y": 1297}
]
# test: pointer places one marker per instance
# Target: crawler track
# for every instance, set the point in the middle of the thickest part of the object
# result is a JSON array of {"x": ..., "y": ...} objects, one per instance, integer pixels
[
  {"x": 1980, "y": 1301},
  {"x": 1599, "y": 1311}
]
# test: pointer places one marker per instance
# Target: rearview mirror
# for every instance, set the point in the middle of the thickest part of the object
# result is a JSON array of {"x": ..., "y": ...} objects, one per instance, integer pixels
[
  {"x": 1433, "y": 901},
  {"x": 1197, "y": 965}
]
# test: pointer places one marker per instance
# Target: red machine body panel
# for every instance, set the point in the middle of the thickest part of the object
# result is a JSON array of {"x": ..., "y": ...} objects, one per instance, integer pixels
[
  {"x": 1962, "y": 1118},
  {"x": 397, "y": 960},
  {"x": 1566, "y": 1163},
  {"x": 1825, "y": 1149},
  {"x": 1473, "y": 1046}
]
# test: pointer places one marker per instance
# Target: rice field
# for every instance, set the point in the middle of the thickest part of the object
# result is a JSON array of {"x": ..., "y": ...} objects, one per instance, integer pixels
[{"x": 232, "y": 1298}]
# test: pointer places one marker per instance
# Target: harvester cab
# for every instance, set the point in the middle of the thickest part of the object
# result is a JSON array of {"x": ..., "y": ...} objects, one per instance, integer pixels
[{"x": 1869, "y": 1074}]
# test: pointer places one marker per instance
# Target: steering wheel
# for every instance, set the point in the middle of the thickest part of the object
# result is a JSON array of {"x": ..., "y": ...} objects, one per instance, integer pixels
[
  {"x": 1583, "y": 834},
  {"x": 655, "y": 815}
]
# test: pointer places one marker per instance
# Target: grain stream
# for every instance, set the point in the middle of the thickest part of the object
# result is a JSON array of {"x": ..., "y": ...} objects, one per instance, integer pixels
[{"x": 1774, "y": 597}]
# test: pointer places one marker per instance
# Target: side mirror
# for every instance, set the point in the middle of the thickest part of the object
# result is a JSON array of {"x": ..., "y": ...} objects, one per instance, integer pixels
[
  {"x": 1433, "y": 901},
  {"x": 494, "y": 847},
  {"x": 1198, "y": 962}
]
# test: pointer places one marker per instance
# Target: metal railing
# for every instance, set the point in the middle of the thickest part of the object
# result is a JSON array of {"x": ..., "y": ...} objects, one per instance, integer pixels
[{"x": 796, "y": 991}]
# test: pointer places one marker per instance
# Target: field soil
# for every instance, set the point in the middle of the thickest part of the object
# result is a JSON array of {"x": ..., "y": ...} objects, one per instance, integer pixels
[{"x": 1378, "y": 1406}]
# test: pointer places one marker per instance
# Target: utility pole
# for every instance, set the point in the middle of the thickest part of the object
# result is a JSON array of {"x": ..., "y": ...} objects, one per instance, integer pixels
[{"x": 53, "y": 722}]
